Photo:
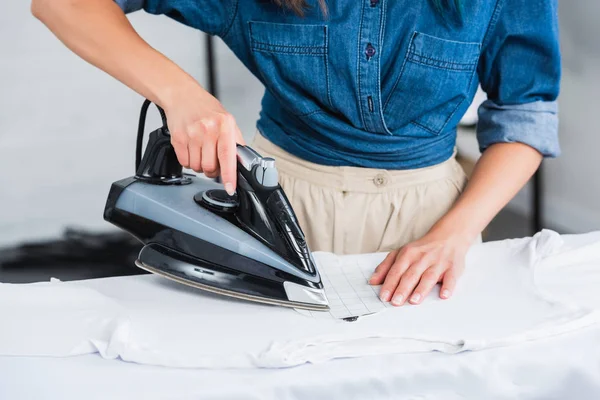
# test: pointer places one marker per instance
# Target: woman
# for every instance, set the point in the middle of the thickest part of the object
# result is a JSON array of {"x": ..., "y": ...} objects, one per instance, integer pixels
[{"x": 362, "y": 101}]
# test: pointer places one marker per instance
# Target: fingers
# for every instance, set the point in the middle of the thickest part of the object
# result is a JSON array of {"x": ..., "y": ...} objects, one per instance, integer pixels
[
  {"x": 382, "y": 269},
  {"x": 449, "y": 283},
  {"x": 227, "y": 154},
  {"x": 404, "y": 259},
  {"x": 411, "y": 274},
  {"x": 410, "y": 279},
  {"x": 194, "y": 148},
  {"x": 210, "y": 162},
  {"x": 204, "y": 139},
  {"x": 428, "y": 280},
  {"x": 181, "y": 150}
]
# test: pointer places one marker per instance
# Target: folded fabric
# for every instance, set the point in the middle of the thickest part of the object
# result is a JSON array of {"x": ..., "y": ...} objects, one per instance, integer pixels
[
  {"x": 55, "y": 319},
  {"x": 512, "y": 291}
]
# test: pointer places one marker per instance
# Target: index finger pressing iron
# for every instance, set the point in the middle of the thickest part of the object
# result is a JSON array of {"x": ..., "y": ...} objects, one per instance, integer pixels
[{"x": 248, "y": 245}]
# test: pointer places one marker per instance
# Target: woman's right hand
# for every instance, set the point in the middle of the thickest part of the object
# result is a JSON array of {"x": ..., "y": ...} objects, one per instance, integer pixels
[{"x": 204, "y": 135}]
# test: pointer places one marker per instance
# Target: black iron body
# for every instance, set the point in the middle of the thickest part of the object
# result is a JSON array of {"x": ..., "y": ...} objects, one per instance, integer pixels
[{"x": 261, "y": 211}]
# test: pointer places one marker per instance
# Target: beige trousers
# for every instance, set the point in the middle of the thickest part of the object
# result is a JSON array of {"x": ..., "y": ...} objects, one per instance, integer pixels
[{"x": 350, "y": 210}]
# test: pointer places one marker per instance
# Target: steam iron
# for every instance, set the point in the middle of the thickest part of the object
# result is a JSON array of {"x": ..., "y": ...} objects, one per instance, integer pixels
[{"x": 248, "y": 245}]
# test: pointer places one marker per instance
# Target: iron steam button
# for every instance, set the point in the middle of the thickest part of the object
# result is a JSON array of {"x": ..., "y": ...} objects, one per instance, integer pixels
[
  {"x": 267, "y": 162},
  {"x": 266, "y": 174}
]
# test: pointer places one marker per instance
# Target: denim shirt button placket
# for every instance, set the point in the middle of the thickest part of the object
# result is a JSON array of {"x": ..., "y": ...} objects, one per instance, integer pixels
[{"x": 370, "y": 36}]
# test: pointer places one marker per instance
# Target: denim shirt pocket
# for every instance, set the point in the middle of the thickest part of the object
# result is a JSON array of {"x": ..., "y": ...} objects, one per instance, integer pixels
[
  {"x": 292, "y": 63},
  {"x": 435, "y": 79}
]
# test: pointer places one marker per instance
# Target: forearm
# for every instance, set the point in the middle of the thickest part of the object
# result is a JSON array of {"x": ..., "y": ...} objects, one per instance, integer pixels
[
  {"x": 100, "y": 33},
  {"x": 502, "y": 170}
]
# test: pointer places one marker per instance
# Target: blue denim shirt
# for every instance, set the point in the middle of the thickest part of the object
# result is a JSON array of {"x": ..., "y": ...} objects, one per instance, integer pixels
[{"x": 384, "y": 83}]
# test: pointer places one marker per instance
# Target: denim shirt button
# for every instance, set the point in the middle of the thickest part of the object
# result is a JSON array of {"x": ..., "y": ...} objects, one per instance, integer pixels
[
  {"x": 370, "y": 52},
  {"x": 374, "y": 3}
]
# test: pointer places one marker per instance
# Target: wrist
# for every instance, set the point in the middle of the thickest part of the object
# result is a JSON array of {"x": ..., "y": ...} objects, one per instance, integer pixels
[
  {"x": 167, "y": 83},
  {"x": 464, "y": 228},
  {"x": 180, "y": 89}
]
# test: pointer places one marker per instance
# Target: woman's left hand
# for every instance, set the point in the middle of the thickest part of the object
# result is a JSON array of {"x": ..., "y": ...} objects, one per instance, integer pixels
[
  {"x": 439, "y": 256},
  {"x": 412, "y": 271}
]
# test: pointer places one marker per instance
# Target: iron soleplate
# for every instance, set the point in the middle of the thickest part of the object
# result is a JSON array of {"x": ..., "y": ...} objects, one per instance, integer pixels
[{"x": 231, "y": 293}]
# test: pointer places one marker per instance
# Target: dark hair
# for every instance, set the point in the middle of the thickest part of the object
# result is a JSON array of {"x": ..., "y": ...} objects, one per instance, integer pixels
[
  {"x": 443, "y": 7},
  {"x": 299, "y": 6},
  {"x": 448, "y": 7}
]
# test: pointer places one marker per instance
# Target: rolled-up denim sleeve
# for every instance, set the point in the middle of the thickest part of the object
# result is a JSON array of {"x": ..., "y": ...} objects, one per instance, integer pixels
[
  {"x": 520, "y": 71},
  {"x": 129, "y": 6},
  {"x": 210, "y": 16}
]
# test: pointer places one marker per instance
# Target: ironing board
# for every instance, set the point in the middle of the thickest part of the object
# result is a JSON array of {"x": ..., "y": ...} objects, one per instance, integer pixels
[{"x": 560, "y": 367}]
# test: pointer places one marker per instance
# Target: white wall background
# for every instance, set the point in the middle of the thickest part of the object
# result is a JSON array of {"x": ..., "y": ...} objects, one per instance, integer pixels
[
  {"x": 67, "y": 130},
  {"x": 573, "y": 180}
]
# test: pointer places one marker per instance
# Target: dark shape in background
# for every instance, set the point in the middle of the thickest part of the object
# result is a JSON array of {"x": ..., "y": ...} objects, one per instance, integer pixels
[{"x": 77, "y": 255}]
